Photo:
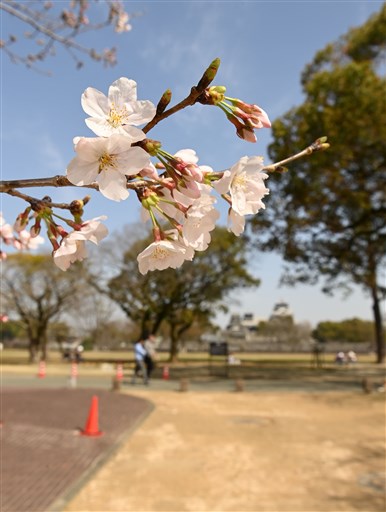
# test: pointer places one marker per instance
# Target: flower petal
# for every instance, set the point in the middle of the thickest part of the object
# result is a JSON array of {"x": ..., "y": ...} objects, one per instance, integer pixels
[
  {"x": 133, "y": 161},
  {"x": 122, "y": 89},
  {"x": 135, "y": 134},
  {"x": 222, "y": 185},
  {"x": 99, "y": 126},
  {"x": 82, "y": 173},
  {"x": 143, "y": 111},
  {"x": 94, "y": 102},
  {"x": 113, "y": 185},
  {"x": 236, "y": 222}
]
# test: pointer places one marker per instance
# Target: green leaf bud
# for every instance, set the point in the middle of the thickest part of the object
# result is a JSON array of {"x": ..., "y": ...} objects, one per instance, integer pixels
[
  {"x": 164, "y": 101},
  {"x": 209, "y": 74}
]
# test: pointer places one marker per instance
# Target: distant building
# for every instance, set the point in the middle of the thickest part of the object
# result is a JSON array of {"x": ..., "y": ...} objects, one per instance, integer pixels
[
  {"x": 251, "y": 322},
  {"x": 281, "y": 311},
  {"x": 240, "y": 326}
]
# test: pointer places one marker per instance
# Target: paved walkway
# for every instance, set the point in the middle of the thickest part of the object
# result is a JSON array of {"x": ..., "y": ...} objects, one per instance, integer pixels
[
  {"x": 43, "y": 455},
  {"x": 276, "y": 447}
]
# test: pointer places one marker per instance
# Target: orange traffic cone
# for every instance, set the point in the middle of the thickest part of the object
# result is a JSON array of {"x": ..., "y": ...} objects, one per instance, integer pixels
[
  {"x": 42, "y": 369},
  {"x": 74, "y": 370},
  {"x": 91, "y": 428},
  {"x": 119, "y": 374},
  {"x": 165, "y": 373}
]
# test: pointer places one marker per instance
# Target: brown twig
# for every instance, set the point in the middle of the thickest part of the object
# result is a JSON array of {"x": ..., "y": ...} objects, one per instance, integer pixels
[
  {"x": 195, "y": 92},
  {"x": 319, "y": 145}
]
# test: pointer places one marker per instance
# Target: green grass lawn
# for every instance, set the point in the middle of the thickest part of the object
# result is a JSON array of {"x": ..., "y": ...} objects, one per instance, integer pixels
[{"x": 20, "y": 356}]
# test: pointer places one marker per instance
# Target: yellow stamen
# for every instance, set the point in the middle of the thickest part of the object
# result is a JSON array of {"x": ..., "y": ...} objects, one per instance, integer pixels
[
  {"x": 106, "y": 160},
  {"x": 239, "y": 181},
  {"x": 159, "y": 253},
  {"x": 117, "y": 116}
]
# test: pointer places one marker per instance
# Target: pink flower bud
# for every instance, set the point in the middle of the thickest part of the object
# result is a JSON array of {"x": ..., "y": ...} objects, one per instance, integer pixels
[
  {"x": 35, "y": 230},
  {"x": 247, "y": 134}
]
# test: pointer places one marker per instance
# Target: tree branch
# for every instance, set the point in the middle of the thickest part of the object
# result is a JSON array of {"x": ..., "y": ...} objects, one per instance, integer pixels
[
  {"x": 44, "y": 30},
  {"x": 319, "y": 145},
  {"x": 58, "y": 181},
  {"x": 190, "y": 100},
  {"x": 9, "y": 186}
]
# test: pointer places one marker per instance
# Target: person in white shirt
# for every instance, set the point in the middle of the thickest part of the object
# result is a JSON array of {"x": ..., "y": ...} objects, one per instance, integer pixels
[
  {"x": 140, "y": 364},
  {"x": 351, "y": 357}
]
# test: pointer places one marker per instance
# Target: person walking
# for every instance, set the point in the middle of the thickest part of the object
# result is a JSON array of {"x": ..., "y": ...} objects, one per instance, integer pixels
[
  {"x": 150, "y": 358},
  {"x": 140, "y": 364}
]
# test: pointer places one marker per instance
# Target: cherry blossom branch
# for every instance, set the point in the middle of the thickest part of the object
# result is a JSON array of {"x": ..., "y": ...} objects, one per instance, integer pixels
[
  {"x": 41, "y": 28},
  {"x": 73, "y": 23},
  {"x": 46, "y": 201},
  {"x": 318, "y": 145},
  {"x": 9, "y": 186},
  {"x": 190, "y": 100},
  {"x": 174, "y": 188},
  {"x": 53, "y": 181}
]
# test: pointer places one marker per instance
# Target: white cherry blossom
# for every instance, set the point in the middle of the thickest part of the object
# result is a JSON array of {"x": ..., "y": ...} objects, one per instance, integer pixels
[
  {"x": 236, "y": 222},
  {"x": 26, "y": 241},
  {"x": 200, "y": 220},
  {"x": 163, "y": 254},
  {"x": 150, "y": 171},
  {"x": 195, "y": 227},
  {"x": 6, "y": 231},
  {"x": 186, "y": 195},
  {"x": 122, "y": 23},
  {"x": 107, "y": 161},
  {"x": 187, "y": 155},
  {"x": 201, "y": 242},
  {"x": 118, "y": 112},
  {"x": 71, "y": 249},
  {"x": 73, "y": 246},
  {"x": 245, "y": 182},
  {"x": 171, "y": 206}
]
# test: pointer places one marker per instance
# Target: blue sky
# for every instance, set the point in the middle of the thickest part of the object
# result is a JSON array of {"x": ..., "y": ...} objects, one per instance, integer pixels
[{"x": 263, "y": 47}]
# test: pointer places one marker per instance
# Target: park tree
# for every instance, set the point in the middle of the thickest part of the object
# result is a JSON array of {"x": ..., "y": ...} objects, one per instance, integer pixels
[
  {"x": 182, "y": 297},
  {"x": 49, "y": 25},
  {"x": 36, "y": 292},
  {"x": 352, "y": 330},
  {"x": 284, "y": 333},
  {"x": 327, "y": 216},
  {"x": 10, "y": 330}
]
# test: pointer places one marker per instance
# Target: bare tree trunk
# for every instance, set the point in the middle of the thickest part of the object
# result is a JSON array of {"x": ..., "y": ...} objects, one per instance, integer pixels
[
  {"x": 379, "y": 333},
  {"x": 173, "y": 352},
  {"x": 43, "y": 346},
  {"x": 33, "y": 350}
]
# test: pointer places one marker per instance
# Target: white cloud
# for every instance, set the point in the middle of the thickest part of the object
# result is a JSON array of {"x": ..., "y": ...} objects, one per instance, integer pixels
[
  {"x": 53, "y": 159},
  {"x": 186, "y": 44}
]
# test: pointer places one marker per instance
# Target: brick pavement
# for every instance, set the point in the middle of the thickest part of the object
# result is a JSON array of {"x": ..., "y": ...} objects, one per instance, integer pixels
[{"x": 43, "y": 457}]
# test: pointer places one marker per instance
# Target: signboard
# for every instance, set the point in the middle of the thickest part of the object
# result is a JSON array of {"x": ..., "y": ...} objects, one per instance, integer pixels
[{"x": 218, "y": 348}]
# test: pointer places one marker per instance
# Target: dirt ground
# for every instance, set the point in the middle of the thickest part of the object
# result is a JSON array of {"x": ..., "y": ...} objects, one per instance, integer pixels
[{"x": 247, "y": 452}]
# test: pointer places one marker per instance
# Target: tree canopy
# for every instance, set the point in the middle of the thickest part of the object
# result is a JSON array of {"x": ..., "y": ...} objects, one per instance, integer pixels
[
  {"x": 36, "y": 292},
  {"x": 327, "y": 216},
  {"x": 183, "y": 296},
  {"x": 353, "y": 330}
]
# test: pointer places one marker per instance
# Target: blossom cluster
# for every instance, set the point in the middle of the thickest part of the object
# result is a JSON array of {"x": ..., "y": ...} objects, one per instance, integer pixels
[
  {"x": 18, "y": 237},
  {"x": 176, "y": 190},
  {"x": 178, "y": 196}
]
